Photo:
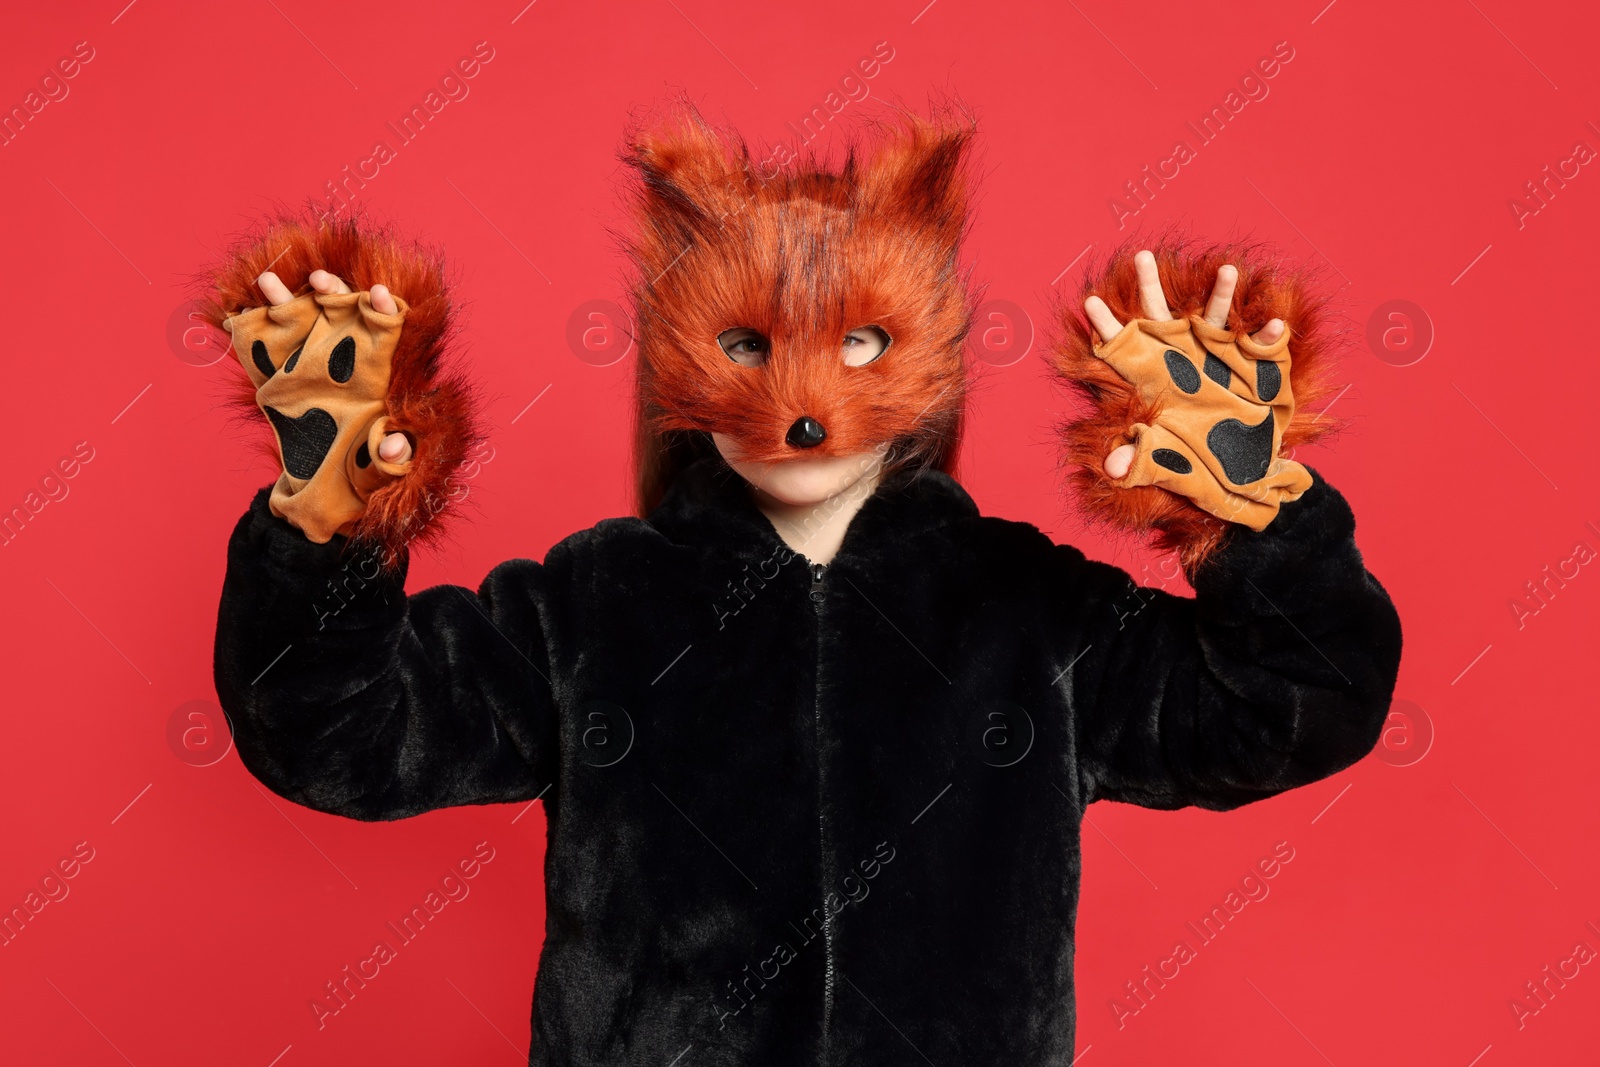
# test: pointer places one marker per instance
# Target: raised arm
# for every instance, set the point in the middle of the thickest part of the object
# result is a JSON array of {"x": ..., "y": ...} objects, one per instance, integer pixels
[
  {"x": 1280, "y": 670},
  {"x": 345, "y": 695}
]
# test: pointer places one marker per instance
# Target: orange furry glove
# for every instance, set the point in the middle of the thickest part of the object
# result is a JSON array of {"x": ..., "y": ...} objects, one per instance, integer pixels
[
  {"x": 321, "y": 366},
  {"x": 1223, "y": 403},
  {"x": 333, "y": 376},
  {"x": 1211, "y": 414}
]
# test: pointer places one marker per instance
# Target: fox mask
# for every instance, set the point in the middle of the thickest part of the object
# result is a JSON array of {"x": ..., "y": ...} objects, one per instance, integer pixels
[{"x": 802, "y": 255}]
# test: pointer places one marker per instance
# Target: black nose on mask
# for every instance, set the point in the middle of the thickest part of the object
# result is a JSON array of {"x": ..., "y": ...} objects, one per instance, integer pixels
[{"x": 806, "y": 433}]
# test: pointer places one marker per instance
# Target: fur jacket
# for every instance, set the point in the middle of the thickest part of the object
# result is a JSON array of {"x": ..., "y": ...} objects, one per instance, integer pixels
[{"x": 802, "y": 814}]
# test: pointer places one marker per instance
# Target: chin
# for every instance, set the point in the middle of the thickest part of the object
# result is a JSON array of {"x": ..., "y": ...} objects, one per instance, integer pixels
[{"x": 800, "y": 482}]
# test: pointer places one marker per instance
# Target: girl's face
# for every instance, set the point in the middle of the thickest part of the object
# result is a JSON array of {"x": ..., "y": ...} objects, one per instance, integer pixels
[{"x": 808, "y": 478}]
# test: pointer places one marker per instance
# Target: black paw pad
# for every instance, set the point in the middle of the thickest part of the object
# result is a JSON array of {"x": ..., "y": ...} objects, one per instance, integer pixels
[
  {"x": 1269, "y": 379},
  {"x": 1175, "y": 462},
  {"x": 293, "y": 361},
  {"x": 1183, "y": 374},
  {"x": 1218, "y": 371},
  {"x": 363, "y": 456},
  {"x": 342, "y": 361},
  {"x": 303, "y": 439},
  {"x": 1245, "y": 452},
  {"x": 259, "y": 356}
]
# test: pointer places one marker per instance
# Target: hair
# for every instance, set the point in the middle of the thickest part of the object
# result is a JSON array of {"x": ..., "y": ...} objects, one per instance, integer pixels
[{"x": 803, "y": 251}]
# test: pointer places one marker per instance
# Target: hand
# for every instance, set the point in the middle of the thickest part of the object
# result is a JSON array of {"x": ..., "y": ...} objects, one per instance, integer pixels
[
  {"x": 1154, "y": 302},
  {"x": 396, "y": 447}
]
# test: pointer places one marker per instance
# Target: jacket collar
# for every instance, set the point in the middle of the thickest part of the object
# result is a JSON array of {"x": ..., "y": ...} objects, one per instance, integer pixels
[{"x": 710, "y": 504}]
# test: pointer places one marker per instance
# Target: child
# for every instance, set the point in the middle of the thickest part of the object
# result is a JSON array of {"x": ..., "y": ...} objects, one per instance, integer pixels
[{"x": 814, "y": 737}]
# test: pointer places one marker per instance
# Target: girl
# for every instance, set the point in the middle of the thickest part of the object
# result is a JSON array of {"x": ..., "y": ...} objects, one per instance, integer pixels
[{"x": 814, "y": 737}]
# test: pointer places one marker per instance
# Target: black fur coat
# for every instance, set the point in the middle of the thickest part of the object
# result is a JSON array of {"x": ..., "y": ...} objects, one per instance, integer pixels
[{"x": 802, "y": 815}]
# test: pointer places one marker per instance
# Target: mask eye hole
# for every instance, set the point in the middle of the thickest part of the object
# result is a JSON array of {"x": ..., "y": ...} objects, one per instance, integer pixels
[
  {"x": 747, "y": 347},
  {"x": 864, "y": 344}
]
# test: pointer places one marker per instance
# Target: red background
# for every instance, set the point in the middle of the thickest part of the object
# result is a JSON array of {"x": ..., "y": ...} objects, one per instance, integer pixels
[{"x": 1423, "y": 893}]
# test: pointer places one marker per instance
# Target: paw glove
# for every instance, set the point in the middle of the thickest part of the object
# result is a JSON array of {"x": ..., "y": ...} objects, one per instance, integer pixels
[
  {"x": 333, "y": 377},
  {"x": 1214, "y": 417}
]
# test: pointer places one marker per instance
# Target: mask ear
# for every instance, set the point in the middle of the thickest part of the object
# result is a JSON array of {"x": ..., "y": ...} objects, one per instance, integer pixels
[
  {"x": 919, "y": 177},
  {"x": 688, "y": 172}
]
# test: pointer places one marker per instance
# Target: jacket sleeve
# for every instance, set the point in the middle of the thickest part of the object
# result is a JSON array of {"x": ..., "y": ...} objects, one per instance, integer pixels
[
  {"x": 1278, "y": 672},
  {"x": 348, "y": 697}
]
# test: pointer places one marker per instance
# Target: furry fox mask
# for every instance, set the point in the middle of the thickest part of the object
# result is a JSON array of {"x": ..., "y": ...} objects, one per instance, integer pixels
[{"x": 802, "y": 255}]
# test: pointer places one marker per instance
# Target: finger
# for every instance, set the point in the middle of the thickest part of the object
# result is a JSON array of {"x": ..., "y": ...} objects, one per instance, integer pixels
[
  {"x": 1222, "y": 295},
  {"x": 394, "y": 448},
  {"x": 1119, "y": 461},
  {"x": 383, "y": 300},
  {"x": 273, "y": 289},
  {"x": 323, "y": 282},
  {"x": 1150, "y": 294},
  {"x": 1268, "y": 333},
  {"x": 1105, "y": 324}
]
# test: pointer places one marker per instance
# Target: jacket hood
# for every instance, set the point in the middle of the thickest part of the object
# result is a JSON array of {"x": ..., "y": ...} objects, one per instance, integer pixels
[{"x": 710, "y": 504}]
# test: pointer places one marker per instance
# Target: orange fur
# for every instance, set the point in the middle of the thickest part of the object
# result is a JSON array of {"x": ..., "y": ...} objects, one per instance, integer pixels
[
  {"x": 433, "y": 403},
  {"x": 804, "y": 254},
  {"x": 1266, "y": 289}
]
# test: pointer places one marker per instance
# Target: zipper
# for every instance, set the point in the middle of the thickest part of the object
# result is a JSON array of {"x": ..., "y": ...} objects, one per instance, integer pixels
[
  {"x": 817, "y": 590},
  {"x": 818, "y": 594}
]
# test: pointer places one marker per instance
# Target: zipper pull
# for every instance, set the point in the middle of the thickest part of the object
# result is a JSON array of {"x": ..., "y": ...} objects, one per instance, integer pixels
[{"x": 817, "y": 591}]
